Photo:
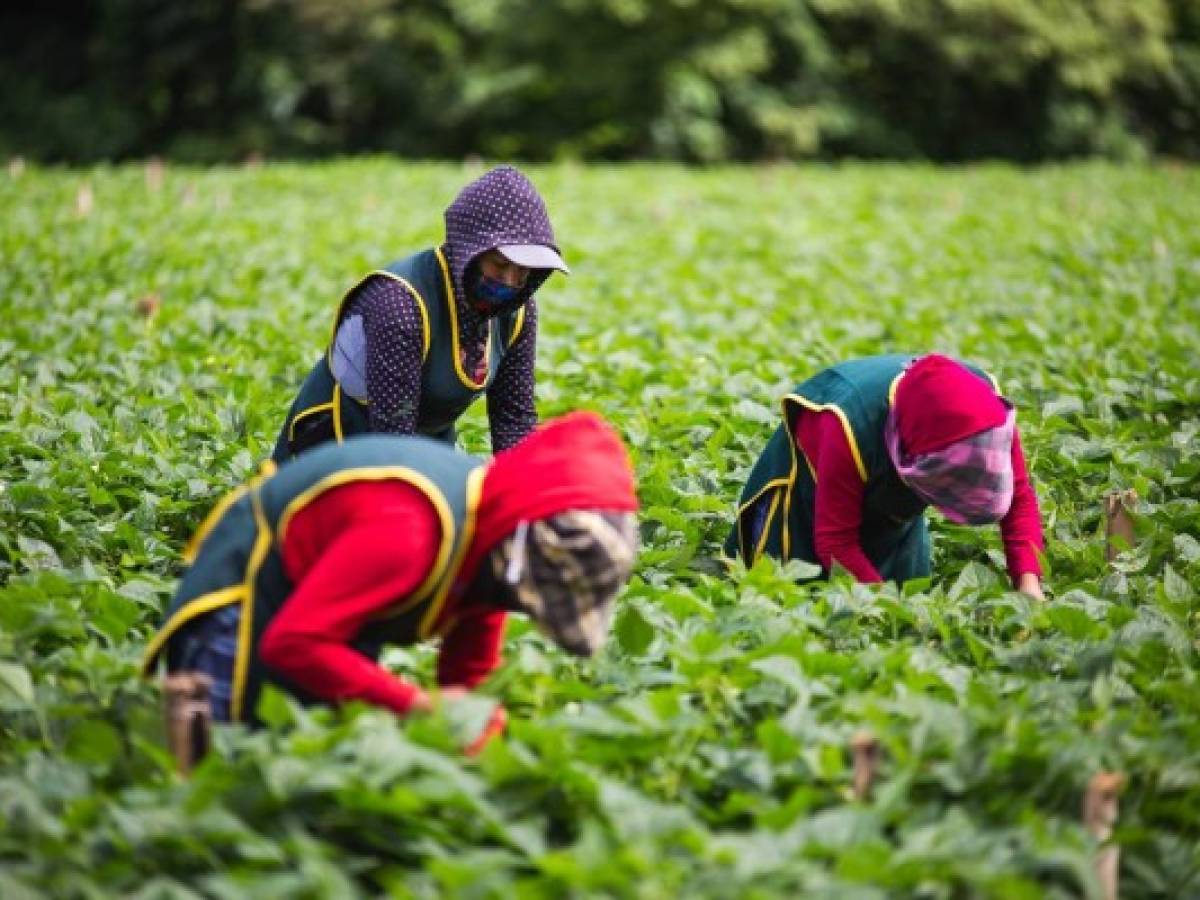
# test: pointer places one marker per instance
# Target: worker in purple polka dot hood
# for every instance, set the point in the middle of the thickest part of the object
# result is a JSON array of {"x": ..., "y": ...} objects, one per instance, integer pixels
[{"x": 415, "y": 343}]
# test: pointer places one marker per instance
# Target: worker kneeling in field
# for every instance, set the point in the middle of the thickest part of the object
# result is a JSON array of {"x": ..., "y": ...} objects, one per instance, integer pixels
[
  {"x": 416, "y": 343},
  {"x": 868, "y": 444},
  {"x": 300, "y": 578}
]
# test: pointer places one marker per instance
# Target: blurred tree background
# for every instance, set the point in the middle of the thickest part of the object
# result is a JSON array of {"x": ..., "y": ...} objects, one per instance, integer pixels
[{"x": 697, "y": 80}]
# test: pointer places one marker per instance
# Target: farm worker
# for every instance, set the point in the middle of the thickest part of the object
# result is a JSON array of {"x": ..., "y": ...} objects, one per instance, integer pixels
[
  {"x": 868, "y": 444},
  {"x": 416, "y": 343},
  {"x": 302, "y": 576}
]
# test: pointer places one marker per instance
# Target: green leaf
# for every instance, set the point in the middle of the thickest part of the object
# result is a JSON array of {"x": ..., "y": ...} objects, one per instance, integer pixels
[
  {"x": 16, "y": 686},
  {"x": 94, "y": 742},
  {"x": 275, "y": 708},
  {"x": 1187, "y": 547},
  {"x": 1175, "y": 586},
  {"x": 1071, "y": 621},
  {"x": 634, "y": 634},
  {"x": 37, "y": 554}
]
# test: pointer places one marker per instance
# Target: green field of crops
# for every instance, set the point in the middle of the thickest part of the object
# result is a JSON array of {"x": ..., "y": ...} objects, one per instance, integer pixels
[{"x": 704, "y": 752}]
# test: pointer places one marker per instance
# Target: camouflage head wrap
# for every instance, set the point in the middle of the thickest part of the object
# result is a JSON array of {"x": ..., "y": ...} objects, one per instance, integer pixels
[{"x": 564, "y": 572}]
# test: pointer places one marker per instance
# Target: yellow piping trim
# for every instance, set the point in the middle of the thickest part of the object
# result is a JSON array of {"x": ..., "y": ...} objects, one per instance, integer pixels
[
  {"x": 487, "y": 352},
  {"x": 384, "y": 473},
  {"x": 192, "y": 547},
  {"x": 762, "y": 538},
  {"x": 822, "y": 407},
  {"x": 337, "y": 319},
  {"x": 195, "y": 607},
  {"x": 266, "y": 470},
  {"x": 307, "y": 411},
  {"x": 793, "y": 472},
  {"x": 474, "y": 491},
  {"x": 741, "y": 510},
  {"x": 520, "y": 324},
  {"x": 241, "y": 665},
  {"x": 336, "y": 406}
]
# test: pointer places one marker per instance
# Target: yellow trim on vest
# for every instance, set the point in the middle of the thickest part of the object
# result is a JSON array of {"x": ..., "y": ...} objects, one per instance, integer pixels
[
  {"x": 384, "y": 473},
  {"x": 307, "y": 411},
  {"x": 474, "y": 491},
  {"x": 337, "y": 319},
  {"x": 450, "y": 304},
  {"x": 762, "y": 538},
  {"x": 837, "y": 410},
  {"x": 241, "y": 663},
  {"x": 774, "y": 483},
  {"x": 209, "y": 522},
  {"x": 195, "y": 607},
  {"x": 520, "y": 324},
  {"x": 793, "y": 473},
  {"x": 785, "y": 533},
  {"x": 336, "y": 406}
]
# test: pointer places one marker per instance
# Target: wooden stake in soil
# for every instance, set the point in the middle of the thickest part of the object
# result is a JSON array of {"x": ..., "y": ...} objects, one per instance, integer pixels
[
  {"x": 155, "y": 173},
  {"x": 1099, "y": 817},
  {"x": 865, "y": 747},
  {"x": 1118, "y": 522},
  {"x": 189, "y": 716},
  {"x": 85, "y": 200}
]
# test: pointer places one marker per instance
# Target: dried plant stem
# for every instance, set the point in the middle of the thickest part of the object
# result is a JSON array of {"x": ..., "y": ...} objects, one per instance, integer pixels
[
  {"x": 865, "y": 748},
  {"x": 1099, "y": 817},
  {"x": 1118, "y": 522},
  {"x": 189, "y": 716}
]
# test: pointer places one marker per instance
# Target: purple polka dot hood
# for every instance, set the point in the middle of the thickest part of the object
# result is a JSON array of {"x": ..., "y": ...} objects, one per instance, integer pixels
[{"x": 500, "y": 207}]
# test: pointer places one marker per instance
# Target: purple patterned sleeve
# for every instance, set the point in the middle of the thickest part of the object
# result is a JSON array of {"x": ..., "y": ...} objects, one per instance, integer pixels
[
  {"x": 511, "y": 411},
  {"x": 395, "y": 337}
]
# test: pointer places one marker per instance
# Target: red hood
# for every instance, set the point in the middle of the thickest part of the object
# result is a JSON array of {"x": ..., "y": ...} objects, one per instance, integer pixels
[
  {"x": 576, "y": 461},
  {"x": 939, "y": 401}
]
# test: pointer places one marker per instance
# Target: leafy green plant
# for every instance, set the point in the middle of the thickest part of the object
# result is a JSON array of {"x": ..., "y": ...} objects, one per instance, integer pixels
[{"x": 704, "y": 752}]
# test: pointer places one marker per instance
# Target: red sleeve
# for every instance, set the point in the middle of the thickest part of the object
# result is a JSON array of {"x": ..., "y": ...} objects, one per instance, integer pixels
[
  {"x": 471, "y": 649},
  {"x": 839, "y": 495},
  {"x": 340, "y": 552},
  {"x": 1021, "y": 527}
]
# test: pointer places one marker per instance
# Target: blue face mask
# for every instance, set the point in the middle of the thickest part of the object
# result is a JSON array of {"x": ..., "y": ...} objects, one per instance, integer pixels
[{"x": 491, "y": 296}]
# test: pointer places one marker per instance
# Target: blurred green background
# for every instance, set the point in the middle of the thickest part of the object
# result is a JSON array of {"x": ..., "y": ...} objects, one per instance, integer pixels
[{"x": 692, "y": 80}]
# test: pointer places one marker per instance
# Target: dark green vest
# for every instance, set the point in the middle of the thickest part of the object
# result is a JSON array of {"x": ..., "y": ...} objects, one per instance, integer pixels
[
  {"x": 324, "y": 411},
  {"x": 235, "y": 553},
  {"x": 776, "y": 509}
]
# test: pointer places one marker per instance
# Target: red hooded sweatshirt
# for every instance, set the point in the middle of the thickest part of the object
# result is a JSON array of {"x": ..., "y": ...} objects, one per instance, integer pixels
[{"x": 360, "y": 548}]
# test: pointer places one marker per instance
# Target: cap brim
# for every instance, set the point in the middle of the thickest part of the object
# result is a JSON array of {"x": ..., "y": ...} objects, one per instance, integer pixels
[{"x": 534, "y": 256}]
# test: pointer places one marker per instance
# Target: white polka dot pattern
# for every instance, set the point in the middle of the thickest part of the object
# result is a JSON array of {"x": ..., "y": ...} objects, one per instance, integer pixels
[
  {"x": 511, "y": 410},
  {"x": 395, "y": 340},
  {"x": 501, "y": 207}
]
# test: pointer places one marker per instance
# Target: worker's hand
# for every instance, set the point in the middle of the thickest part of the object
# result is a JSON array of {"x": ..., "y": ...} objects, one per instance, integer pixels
[
  {"x": 495, "y": 724},
  {"x": 1031, "y": 585},
  {"x": 426, "y": 702},
  {"x": 422, "y": 703}
]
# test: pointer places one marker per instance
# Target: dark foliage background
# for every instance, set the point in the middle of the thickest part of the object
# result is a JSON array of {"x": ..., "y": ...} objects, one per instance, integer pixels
[{"x": 696, "y": 80}]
